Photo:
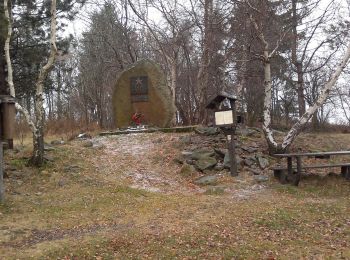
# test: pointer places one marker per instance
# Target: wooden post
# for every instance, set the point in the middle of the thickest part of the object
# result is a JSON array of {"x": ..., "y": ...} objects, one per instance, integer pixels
[
  {"x": 233, "y": 159},
  {"x": 2, "y": 188},
  {"x": 299, "y": 168},
  {"x": 290, "y": 168},
  {"x": 345, "y": 171},
  {"x": 232, "y": 154}
]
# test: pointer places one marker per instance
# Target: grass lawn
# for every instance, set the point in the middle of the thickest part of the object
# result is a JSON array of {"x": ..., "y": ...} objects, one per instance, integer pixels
[{"x": 127, "y": 200}]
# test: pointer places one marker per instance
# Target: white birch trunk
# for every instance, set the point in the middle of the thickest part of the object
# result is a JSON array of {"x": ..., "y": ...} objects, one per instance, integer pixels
[
  {"x": 38, "y": 135},
  {"x": 27, "y": 116},
  {"x": 19, "y": 108},
  {"x": 267, "y": 102},
  {"x": 294, "y": 131},
  {"x": 7, "y": 50}
]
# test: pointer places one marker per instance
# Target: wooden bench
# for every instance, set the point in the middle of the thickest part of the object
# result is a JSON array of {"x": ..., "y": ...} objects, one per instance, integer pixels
[{"x": 292, "y": 173}]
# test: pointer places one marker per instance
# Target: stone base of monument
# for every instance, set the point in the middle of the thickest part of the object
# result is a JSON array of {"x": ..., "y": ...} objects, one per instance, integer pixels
[{"x": 180, "y": 129}]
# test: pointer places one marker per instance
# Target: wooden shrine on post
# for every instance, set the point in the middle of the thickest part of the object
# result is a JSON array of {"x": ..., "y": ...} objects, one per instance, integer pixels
[
  {"x": 7, "y": 119},
  {"x": 7, "y": 128},
  {"x": 224, "y": 107}
]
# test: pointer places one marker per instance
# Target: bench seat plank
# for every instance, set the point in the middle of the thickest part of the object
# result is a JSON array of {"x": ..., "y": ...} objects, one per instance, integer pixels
[
  {"x": 312, "y": 154},
  {"x": 315, "y": 166}
]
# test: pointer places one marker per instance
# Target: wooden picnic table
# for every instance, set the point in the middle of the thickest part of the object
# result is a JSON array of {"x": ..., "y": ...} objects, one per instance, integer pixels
[{"x": 294, "y": 177}]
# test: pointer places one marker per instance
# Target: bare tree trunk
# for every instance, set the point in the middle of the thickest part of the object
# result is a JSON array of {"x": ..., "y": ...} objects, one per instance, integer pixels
[
  {"x": 242, "y": 81},
  {"x": 300, "y": 89},
  {"x": 173, "y": 78},
  {"x": 59, "y": 93},
  {"x": 38, "y": 135},
  {"x": 295, "y": 130},
  {"x": 298, "y": 64},
  {"x": 203, "y": 73},
  {"x": 173, "y": 85}
]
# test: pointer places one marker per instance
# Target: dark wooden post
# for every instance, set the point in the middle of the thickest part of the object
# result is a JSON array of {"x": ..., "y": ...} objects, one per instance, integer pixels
[
  {"x": 298, "y": 176},
  {"x": 226, "y": 122},
  {"x": 345, "y": 172},
  {"x": 2, "y": 188},
  {"x": 290, "y": 168},
  {"x": 232, "y": 152},
  {"x": 231, "y": 142}
]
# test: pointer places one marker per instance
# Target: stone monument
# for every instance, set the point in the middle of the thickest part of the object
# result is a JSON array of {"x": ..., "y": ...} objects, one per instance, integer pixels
[{"x": 142, "y": 89}]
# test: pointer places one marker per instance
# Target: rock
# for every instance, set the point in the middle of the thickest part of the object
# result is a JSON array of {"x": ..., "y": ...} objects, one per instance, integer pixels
[
  {"x": 249, "y": 149},
  {"x": 202, "y": 153},
  {"x": 48, "y": 148},
  {"x": 207, "y": 180},
  {"x": 179, "y": 160},
  {"x": 219, "y": 167},
  {"x": 207, "y": 130},
  {"x": 61, "y": 183},
  {"x": 215, "y": 190},
  {"x": 187, "y": 170},
  {"x": 248, "y": 161},
  {"x": 250, "y": 132},
  {"x": 254, "y": 171},
  {"x": 98, "y": 146},
  {"x": 48, "y": 158},
  {"x": 88, "y": 144},
  {"x": 221, "y": 152},
  {"x": 155, "y": 102},
  {"x": 84, "y": 136},
  {"x": 57, "y": 142},
  {"x": 261, "y": 178},
  {"x": 185, "y": 139},
  {"x": 227, "y": 162},
  {"x": 206, "y": 163},
  {"x": 186, "y": 154},
  {"x": 191, "y": 162},
  {"x": 263, "y": 162}
]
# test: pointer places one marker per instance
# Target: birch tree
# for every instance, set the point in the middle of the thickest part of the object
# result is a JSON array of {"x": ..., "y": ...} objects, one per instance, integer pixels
[
  {"x": 37, "y": 122},
  {"x": 274, "y": 146}
]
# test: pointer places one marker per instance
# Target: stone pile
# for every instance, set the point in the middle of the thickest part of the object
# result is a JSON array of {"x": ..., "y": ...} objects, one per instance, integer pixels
[{"x": 207, "y": 152}]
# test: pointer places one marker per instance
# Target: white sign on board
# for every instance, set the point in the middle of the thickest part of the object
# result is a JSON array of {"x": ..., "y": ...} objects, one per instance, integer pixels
[{"x": 223, "y": 118}]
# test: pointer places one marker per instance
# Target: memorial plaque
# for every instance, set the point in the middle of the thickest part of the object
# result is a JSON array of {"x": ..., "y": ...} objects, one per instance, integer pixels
[
  {"x": 139, "y": 89},
  {"x": 143, "y": 89}
]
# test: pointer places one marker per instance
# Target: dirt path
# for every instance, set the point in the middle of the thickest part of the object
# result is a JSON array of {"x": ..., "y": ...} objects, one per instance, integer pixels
[{"x": 143, "y": 161}]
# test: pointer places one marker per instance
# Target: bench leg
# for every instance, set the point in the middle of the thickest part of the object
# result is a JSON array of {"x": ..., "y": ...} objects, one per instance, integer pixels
[
  {"x": 345, "y": 172},
  {"x": 344, "y": 169},
  {"x": 298, "y": 174},
  {"x": 289, "y": 169},
  {"x": 281, "y": 175},
  {"x": 294, "y": 177}
]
